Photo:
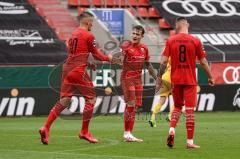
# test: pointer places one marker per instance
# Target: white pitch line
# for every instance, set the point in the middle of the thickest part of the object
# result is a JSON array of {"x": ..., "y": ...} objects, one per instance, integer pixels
[
  {"x": 112, "y": 142},
  {"x": 97, "y": 156}
]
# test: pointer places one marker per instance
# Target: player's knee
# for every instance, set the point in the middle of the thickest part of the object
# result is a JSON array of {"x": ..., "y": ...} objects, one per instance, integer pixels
[
  {"x": 92, "y": 100},
  {"x": 162, "y": 100},
  {"x": 66, "y": 101},
  {"x": 131, "y": 103}
]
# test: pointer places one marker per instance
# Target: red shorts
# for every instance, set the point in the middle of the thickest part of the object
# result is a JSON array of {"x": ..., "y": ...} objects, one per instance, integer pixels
[
  {"x": 77, "y": 82},
  {"x": 184, "y": 95},
  {"x": 132, "y": 90}
]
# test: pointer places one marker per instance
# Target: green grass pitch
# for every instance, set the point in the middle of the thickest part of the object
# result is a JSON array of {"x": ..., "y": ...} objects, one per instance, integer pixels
[{"x": 216, "y": 133}]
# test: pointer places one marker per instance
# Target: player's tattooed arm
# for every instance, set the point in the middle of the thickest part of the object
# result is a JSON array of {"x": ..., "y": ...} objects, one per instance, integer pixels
[
  {"x": 163, "y": 66},
  {"x": 162, "y": 70},
  {"x": 118, "y": 57},
  {"x": 151, "y": 69}
]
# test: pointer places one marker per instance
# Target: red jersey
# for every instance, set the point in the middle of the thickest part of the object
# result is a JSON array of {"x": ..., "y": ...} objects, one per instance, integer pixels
[
  {"x": 183, "y": 50},
  {"x": 80, "y": 45},
  {"x": 134, "y": 58}
]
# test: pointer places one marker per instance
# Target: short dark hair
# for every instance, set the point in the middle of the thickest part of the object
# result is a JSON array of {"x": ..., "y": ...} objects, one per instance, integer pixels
[
  {"x": 180, "y": 19},
  {"x": 84, "y": 15},
  {"x": 139, "y": 27}
]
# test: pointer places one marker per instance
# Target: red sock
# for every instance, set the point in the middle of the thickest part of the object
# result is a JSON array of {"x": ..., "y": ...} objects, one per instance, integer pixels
[
  {"x": 190, "y": 123},
  {"x": 175, "y": 116},
  {"x": 128, "y": 117},
  {"x": 133, "y": 120},
  {"x": 54, "y": 113},
  {"x": 87, "y": 115}
]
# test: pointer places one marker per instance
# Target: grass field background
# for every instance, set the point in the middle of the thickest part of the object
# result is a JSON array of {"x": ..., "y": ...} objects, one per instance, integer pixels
[{"x": 216, "y": 133}]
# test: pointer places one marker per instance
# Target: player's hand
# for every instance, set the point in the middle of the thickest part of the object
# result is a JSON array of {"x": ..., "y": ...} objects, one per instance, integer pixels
[
  {"x": 211, "y": 81},
  {"x": 110, "y": 57},
  {"x": 116, "y": 60},
  {"x": 158, "y": 84}
]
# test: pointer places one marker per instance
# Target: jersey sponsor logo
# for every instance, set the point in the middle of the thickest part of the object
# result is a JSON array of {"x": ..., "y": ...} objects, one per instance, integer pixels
[
  {"x": 209, "y": 8},
  {"x": 236, "y": 99},
  {"x": 11, "y": 8},
  {"x": 235, "y": 75},
  {"x": 220, "y": 38},
  {"x": 17, "y": 106}
]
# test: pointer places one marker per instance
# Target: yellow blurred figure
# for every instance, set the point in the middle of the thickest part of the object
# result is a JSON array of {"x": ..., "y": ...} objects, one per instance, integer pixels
[{"x": 164, "y": 92}]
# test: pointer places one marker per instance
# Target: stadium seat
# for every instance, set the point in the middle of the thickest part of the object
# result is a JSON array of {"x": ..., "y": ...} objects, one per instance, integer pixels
[
  {"x": 163, "y": 24},
  {"x": 40, "y": 11},
  {"x": 153, "y": 13},
  {"x": 84, "y": 3},
  {"x": 132, "y": 11},
  {"x": 50, "y": 23},
  {"x": 97, "y": 3},
  {"x": 80, "y": 10},
  {"x": 109, "y": 3},
  {"x": 142, "y": 12},
  {"x": 133, "y": 3},
  {"x": 46, "y": 2},
  {"x": 120, "y": 3},
  {"x": 143, "y": 3},
  {"x": 72, "y": 3},
  {"x": 63, "y": 35}
]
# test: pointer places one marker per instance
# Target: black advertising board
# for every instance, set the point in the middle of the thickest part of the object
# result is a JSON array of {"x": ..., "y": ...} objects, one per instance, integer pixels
[
  {"x": 38, "y": 101},
  {"x": 25, "y": 37}
]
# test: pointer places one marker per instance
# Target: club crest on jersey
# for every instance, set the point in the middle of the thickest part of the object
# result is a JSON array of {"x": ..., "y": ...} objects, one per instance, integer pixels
[
  {"x": 94, "y": 43},
  {"x": 142, "y": 50}
]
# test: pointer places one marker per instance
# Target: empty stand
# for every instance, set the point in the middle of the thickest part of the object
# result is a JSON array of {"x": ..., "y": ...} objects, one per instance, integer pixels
[
  {"x": 84, "y": 3},
  {"x": 153, "y": 12},
  {"x": 97, "y": 3},
  {"x": 142, "y": 12},
  {"x": 163, "y": 24},
  {"x": 133, "y": 3},
  {"x": 143, "y": 3},
  {"x": 73, "y": 3},
  {"x": 58, "y": 17},
  {"x": 80, "y": 10},
  {"x": 109, "y": 3}
]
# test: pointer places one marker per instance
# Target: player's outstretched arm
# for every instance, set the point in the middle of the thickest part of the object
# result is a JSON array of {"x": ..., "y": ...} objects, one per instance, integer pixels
[
  {"x": 206, "y": 68},
  {"x": 97, "y": 54},
  {"x": 151, "y": 69},
  {"x": 117, "y": 57}
]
